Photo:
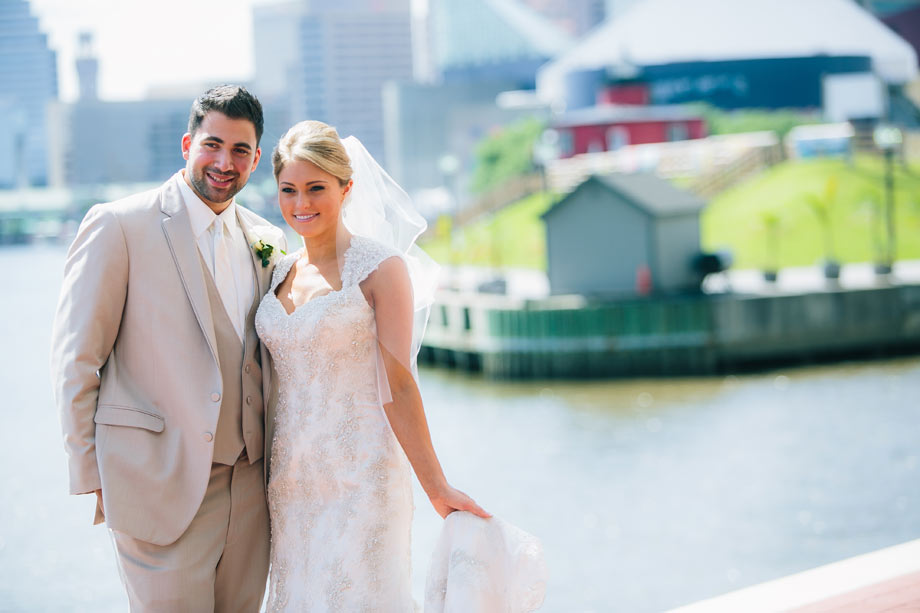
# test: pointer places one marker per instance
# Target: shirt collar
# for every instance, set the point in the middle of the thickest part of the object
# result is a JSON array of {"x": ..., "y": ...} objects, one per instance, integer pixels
[{"x": 200, "y": 215}]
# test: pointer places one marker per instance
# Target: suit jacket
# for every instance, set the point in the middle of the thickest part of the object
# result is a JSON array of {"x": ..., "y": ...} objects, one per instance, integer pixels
[{"x": 134, "y": 361}]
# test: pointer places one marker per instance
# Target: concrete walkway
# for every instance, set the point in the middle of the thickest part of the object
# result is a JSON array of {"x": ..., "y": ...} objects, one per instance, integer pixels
[{"x": 886, "y": 580}]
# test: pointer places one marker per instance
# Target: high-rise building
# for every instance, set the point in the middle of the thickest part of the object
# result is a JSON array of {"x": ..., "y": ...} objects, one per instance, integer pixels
[
  {"x": 87, "y": 67},
  {"x": 276, "y": 32},
  {"x": 334, "y": 63},
  {"x": 28, "y": 82}
]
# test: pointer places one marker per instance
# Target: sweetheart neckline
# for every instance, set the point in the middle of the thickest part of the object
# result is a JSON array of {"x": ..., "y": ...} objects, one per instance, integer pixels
[{"x": 297, "y": 307}]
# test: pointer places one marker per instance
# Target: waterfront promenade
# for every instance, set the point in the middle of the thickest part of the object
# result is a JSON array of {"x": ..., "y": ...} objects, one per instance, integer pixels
[{"x": 887, "y": 580}]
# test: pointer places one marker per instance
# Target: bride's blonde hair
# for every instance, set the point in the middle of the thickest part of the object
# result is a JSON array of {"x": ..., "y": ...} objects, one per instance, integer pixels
[{"x": 315, "y": 142}]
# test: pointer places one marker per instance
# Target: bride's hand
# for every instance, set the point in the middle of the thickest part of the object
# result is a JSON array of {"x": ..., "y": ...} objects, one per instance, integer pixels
[{"x": 451, "y": 499}]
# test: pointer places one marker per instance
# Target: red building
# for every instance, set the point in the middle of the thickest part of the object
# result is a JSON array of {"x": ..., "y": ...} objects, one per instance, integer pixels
[{"x": 609, "y": 127}]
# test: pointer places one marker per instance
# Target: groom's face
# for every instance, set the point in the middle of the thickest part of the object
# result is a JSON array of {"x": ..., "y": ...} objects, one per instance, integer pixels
[{"x": 220, "y": 156}]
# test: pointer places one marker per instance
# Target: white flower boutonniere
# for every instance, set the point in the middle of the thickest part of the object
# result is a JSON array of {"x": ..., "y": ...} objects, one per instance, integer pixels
[{"x": 263, "y": 245}]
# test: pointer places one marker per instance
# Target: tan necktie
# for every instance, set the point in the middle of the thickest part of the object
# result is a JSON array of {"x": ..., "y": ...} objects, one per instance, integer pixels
[{"x": 223, "y": 273}]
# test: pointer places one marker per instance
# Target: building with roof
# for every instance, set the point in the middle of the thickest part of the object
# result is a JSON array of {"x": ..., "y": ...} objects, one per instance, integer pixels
[
  {"x": 611, "y": 126},
  {"x": 28, "y": 83},
  {"x": 620, "y": 234},
  {"x": 756, "y": 53}
]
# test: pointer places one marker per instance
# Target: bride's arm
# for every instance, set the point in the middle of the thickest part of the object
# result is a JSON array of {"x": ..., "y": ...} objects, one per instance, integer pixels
[{"x": 389, "y": 292}]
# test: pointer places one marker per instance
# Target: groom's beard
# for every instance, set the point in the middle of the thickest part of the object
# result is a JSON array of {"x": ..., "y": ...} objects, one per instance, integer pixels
[{"x": 214, "y": 194}]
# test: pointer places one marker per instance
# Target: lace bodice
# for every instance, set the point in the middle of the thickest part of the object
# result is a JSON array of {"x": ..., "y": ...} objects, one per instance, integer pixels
[
  {"x": 339, "y": 490},
  {"x": 323, "y": 320}
]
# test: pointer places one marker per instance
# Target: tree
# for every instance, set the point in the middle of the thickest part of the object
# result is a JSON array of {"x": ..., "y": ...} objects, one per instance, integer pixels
[
  {"x": 771, "y": 223},
  {"x": 821, "y": 206},
  {"x": 506, "y": 153}
]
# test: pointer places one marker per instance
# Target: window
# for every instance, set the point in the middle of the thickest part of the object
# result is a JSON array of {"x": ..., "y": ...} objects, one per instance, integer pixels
[
  {"x": 617, "y": 136},
  {"x": 678, "y": 131}
]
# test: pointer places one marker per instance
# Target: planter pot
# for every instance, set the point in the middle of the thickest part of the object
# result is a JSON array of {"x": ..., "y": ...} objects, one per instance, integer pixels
[
  {"x": 883, "y": 269},
  {"x": 769, "y": 276},
  {"x": 831, "y": 270}
]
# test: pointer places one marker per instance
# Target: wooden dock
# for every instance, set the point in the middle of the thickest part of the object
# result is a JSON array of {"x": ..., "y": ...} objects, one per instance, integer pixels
[{"x": 574, "y": 337}]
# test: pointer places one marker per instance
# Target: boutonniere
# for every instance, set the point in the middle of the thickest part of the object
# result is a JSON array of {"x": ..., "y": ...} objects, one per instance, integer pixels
[{"x": 264, "y": 249}]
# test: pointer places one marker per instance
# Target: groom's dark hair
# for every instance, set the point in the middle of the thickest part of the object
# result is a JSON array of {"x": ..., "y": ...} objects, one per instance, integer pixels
[{"x": 234, "y": 101}]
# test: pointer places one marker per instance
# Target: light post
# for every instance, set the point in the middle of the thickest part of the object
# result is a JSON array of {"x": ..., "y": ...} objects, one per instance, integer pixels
[{"x": 888, "y": 139}]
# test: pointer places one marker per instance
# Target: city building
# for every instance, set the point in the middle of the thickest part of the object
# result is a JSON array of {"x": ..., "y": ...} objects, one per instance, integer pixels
[
  {"x": 98, "y": 142},
  {"x": 468, "y": 53},
  {"x": 623, "y": 234},
  {"x": 432, "y": 132},
  {"x": 329, "y": 61},
  {"x": 275, "y": 33},
  {"x": 28, "y": 83}
]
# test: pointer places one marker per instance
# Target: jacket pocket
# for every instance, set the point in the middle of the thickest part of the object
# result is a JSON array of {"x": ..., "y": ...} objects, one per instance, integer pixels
[{"x": 112, "y": 415}]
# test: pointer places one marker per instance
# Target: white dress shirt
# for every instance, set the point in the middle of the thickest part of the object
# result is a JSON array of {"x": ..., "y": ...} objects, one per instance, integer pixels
[{"x": 201, "y": 218}]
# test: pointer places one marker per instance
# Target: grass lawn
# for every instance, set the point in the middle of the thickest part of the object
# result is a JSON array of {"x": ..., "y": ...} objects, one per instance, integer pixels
[
  {"x": 771, "y": 207},
  {"x": 740, "y": 218},
  {"x": 514, "y": 237}
]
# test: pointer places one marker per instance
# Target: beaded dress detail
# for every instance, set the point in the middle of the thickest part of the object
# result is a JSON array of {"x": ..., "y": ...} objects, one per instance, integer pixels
[{"x": 339, "y": 492}]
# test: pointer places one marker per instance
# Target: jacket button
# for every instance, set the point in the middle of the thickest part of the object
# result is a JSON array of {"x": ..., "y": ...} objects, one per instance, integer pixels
[
  {"x": 208, "y": 437},
  {"x": 248, "y": 399},
  {"x": 215, "y": 397},
  {"x": 248, "y": 368}
]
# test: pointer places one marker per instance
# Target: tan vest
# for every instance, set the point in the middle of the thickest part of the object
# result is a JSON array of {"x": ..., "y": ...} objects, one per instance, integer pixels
[{"x": 241, "y": 421}]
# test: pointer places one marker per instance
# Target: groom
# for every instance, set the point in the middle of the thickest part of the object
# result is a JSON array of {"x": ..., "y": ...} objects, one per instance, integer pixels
[{"x": 159, "y": 376}]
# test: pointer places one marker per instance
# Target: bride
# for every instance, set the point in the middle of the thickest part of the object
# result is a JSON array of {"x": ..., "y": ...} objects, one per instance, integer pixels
[{"x": 341, "y": 323}]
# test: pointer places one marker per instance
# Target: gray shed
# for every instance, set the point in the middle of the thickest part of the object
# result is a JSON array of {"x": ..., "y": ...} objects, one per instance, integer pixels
[{"x": 623, "y": 234}]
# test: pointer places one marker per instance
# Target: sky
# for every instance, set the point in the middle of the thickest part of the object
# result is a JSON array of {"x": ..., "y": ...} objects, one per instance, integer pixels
[{"x": 142, "y": 43}]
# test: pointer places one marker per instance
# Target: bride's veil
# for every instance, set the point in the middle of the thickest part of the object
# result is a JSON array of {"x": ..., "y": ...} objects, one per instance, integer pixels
[{"x": 378, "y": 208}]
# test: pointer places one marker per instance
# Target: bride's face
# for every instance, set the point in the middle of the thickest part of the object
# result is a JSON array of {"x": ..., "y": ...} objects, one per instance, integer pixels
[{"x": 310, "y": 198}]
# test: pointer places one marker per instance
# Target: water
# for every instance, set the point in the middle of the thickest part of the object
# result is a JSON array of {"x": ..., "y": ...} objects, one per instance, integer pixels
[{"x": 647, "y": 494}]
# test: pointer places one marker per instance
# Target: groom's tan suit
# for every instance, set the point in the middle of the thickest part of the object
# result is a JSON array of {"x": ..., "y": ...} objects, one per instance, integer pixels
[{"x": 161, "y": 400}]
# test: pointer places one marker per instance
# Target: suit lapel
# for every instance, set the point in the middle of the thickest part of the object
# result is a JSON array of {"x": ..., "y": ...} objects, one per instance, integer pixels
[
  {"x": 263, "y": 273},
  {"x": 184, "y": 249}
]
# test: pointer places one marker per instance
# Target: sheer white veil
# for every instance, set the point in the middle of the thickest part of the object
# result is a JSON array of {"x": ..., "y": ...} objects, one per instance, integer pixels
[{"x": 378, "y": 208}]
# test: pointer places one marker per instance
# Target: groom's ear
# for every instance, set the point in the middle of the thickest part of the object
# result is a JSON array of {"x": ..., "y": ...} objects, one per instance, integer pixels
[
  {"x": 187, "y": 145},
  {"x": 256, "y": 158}
]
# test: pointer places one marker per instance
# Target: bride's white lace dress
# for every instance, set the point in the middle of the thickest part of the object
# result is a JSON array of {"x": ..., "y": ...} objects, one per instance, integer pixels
[{"x": 339, "y": 492}]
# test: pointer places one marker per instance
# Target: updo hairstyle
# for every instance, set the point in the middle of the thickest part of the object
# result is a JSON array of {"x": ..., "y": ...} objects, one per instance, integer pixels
[{"x": 315, "y": 142}]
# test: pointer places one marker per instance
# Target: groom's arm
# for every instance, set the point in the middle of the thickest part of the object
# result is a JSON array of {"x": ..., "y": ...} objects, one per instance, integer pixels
[{"x": 84, "y": 331}]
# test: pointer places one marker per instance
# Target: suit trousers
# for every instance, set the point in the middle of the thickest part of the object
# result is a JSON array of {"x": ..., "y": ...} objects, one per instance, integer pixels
[{"x": 220, "y": 563}]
